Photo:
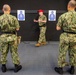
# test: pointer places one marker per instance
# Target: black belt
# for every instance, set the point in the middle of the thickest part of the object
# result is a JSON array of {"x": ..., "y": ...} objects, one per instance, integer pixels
[
  {"x": 8, "y": 32},
  {"x": 44, "y": 25},
  {"x": 69, "y": 32}
]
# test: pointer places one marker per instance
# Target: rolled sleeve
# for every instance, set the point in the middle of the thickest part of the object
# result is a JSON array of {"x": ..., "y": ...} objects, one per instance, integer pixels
[{"x": 45, "y": 19}]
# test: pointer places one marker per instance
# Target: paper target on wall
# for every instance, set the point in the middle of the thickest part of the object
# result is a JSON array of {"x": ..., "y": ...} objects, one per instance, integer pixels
[
  {"x": 21, "y": 15},
  {"x": 52, "y": 15}
]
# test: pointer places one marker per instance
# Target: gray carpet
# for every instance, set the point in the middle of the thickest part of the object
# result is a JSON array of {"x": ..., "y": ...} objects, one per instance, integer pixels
[{"x": 36, "y": 60}]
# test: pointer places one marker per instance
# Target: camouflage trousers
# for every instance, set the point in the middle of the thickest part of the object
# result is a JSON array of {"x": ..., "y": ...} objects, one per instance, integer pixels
[
  {"x": 67, "y": 44},
  {"x": 10, "y": 44},
  {"x": 42, "y": 37}
]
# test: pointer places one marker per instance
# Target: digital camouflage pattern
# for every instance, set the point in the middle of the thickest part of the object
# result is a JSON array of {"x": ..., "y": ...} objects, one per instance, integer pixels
[
  {"x": 42, "y": 37},
  {"x": 43, "y": 17},
  {"x": 8, "y": 23},
  {"x": 67, "y": 22}
]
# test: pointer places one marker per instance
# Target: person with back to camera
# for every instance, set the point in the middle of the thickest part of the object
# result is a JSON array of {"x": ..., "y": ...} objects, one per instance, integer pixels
[
  {"x": 67, "y": 23},
  {"x": 8, "y": 38}
]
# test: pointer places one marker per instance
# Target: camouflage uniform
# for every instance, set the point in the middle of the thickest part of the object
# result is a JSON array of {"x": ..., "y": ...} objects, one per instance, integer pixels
[
  {"x": 8, "y": 39},
  {"x": 67, "y": 22},
  {"x": 42, "y": 26}
]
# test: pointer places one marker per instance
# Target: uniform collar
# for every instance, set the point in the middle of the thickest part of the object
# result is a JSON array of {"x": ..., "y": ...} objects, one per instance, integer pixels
[{"x": 71, "y": 10}]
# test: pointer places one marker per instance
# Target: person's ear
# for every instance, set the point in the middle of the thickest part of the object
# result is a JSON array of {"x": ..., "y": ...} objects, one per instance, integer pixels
[
  {"x": 9, "y": 10},
  {"x": 68, "y": 6}
]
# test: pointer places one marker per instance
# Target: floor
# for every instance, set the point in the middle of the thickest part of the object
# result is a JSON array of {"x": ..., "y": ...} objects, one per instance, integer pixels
[{"x": 36, "y": 60}]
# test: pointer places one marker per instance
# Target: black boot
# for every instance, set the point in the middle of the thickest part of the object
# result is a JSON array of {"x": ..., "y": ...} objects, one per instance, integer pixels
[
  {"x": 72, "y": 70},
  {"x": 59, "y": 70},
  {"x": 3, "y": 68},
  {"x": 17, "y": 68}
]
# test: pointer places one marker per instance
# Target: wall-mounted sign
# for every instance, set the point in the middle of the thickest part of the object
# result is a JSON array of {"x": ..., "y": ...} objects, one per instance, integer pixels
[
  {"x": 52, "y": 15},
  {"x": 21, "y": 15}
]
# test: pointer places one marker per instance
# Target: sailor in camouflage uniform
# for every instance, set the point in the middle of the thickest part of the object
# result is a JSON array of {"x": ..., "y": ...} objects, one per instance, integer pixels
[
  {"x": 42, "y": 25},
  {"x": 67, "y": 22},
  {"x": 8, "y": 39}
]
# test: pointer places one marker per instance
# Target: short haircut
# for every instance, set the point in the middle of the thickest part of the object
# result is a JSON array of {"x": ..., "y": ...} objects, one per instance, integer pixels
[
  {"x": 72, "y": 3},
  {"x": 6, "y": 7}
]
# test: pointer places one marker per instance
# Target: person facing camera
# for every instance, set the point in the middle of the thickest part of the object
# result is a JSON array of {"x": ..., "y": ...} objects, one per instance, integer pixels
[{"x": 42, "y": 25}]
